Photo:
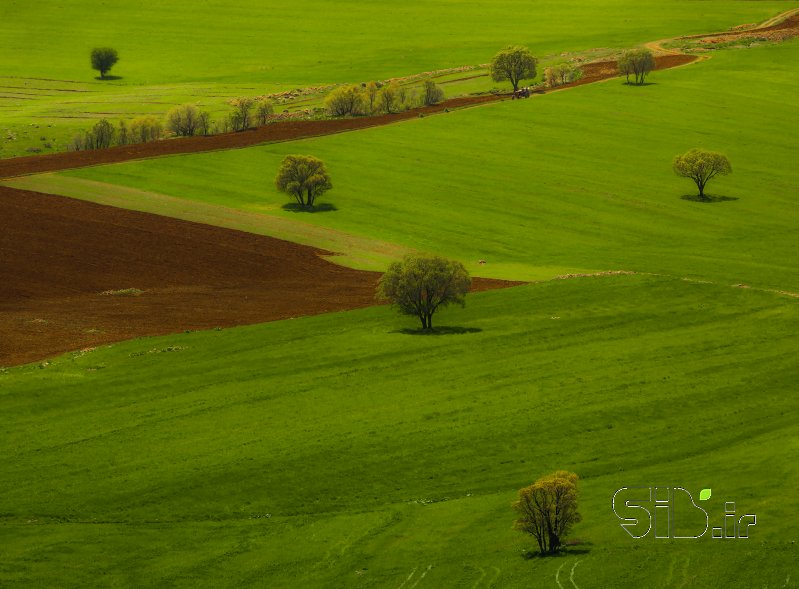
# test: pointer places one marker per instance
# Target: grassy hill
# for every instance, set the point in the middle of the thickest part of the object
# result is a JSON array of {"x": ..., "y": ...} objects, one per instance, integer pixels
[
  {"x": 347, "y": 450},
  {"x": 176, "y": 51},
  {"x": 578, "y": 180},
  {"x": 314, "y": 41},
  {"x": 338, "y": 451}
]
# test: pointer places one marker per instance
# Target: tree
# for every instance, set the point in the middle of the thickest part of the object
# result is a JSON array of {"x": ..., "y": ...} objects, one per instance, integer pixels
[
  {"x": 123, "y": 136},
  {"x": 560, "y": 74},
  {"x": 388, "y": 97},
  {"x": 346, "y": 101},
  {"x": 240, "y": 117},
  {"x": 421, "y": 285},
  {"x": 514, "y": 63},
  {"x": 304, "y": 177},
  {"x": 263, "y": 111},
  {"x": 432, "y": 93},
  {"x": 204, "y": 123},
  {"x": 638, "y": 62},
  {"x": 183, "y": 120},
  {"x": 103, "y": 59},
  {"x": 701, "y": 166},
  {"x": 371, "y": 91},
  {"x": 145, "y": 129},
  {"x": 102, "y": 135},
  {"x": 548, "y": 509}
]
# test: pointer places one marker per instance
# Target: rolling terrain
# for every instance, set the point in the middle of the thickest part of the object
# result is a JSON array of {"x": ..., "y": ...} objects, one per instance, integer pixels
[
  {"x": 314, "y": 439},
  {"x": 48, "y": 92},
  {"x": 338, "y": 451},
  {"x": 528, "y": 185}
]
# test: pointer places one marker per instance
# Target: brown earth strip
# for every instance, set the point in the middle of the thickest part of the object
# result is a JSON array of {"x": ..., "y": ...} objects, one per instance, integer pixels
[
  {"x": 280, "y": 131},
  {"x": 59, "y": 255}
]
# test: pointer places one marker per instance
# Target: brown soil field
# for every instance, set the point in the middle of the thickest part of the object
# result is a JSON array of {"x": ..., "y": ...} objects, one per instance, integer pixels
[
  {"x": 281, "y": 131},
  {"x": 69, "y": 265},
  {"x": 789, "y": 25},
  {"x": 59, "y": 255}
]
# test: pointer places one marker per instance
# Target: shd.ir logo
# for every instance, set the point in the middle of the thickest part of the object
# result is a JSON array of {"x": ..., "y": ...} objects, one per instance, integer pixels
[{"x": 671, "y": 512}]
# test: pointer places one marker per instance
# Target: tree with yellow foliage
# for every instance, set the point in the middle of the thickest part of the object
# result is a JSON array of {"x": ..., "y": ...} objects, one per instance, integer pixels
[{"x": 548, "y": 509}]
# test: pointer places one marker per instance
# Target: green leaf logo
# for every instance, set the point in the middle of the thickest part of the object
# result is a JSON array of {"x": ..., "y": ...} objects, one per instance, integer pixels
[{"x": 705, "y": 494}]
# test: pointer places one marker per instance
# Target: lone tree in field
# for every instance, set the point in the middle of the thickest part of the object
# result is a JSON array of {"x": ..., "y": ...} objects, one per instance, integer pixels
[
  {"x": 421, "y": 285},
  {"x": 514, "y": 63},
  {"x": 637, "y": 62},
  {"x": 103, "y": 59},
  {"x": 702, "y": 166},
  {"x": 548, "y": 509},
  {"x": 304, "y": 177}
]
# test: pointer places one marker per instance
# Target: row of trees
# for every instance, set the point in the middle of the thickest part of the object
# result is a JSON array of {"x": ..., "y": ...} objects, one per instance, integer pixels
[
  {"x": 378, "y": 98},
  {"x": 104, "y": 134},
  {"x": 182, "y": 121},
  {"x": 516, "y": 63}
]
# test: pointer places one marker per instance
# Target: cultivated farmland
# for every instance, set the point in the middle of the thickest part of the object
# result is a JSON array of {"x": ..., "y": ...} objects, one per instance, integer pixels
[{"x": 200, "y": 389}]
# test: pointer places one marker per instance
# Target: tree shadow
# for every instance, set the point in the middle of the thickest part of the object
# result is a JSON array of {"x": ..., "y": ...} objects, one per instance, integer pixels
[
  {"x": 634, "y": 85},
  {"x": 108, "y": 78},
  {"x": 295, "y": 207},
  {"x": 709, "y": 198},
  {"x": 442, "y": 330},
  {"x": 572, "y": 548}
]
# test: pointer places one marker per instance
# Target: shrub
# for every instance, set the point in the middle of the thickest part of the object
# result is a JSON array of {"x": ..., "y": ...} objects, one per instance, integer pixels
[
  {"x": 346, "y": 101},
  {"x": 145, "y": 129},
  {"x": 183, "y": 120}
]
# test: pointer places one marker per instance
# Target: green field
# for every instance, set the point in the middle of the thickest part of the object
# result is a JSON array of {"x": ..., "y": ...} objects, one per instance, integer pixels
[
  {"x": 377, "y": 453},
  {"x": 528, "y": 185},
  {"x": 176, "y": 51},
  {"x": 348, "y": 450}
]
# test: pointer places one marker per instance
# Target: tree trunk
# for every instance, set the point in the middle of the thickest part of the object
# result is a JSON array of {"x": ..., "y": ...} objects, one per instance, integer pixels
[
  {"x": 429, "y": 321},
  {"x": 701, "y": 190},
  {"x": 423, "y": 319},
  {"x": 554, "y": 543}
]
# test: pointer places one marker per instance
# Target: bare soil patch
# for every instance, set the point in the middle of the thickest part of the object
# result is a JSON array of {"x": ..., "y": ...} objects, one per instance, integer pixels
[{"x": 77, "y": 274}]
